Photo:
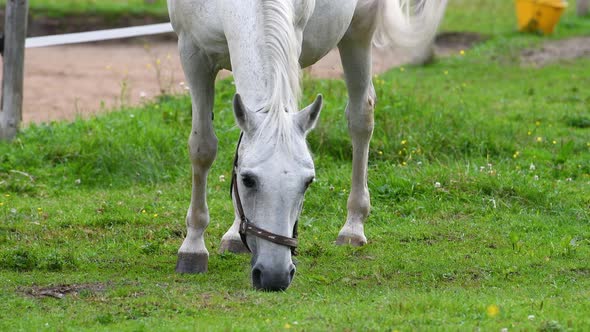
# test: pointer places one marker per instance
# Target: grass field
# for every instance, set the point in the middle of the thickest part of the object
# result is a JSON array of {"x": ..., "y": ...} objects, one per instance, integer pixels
[
  {"x": 479, "y": 174},
  {"x": 108, "y": 8}
]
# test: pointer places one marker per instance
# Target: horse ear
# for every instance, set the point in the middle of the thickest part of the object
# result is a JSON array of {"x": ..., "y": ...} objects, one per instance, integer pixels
[
  {"x": 308, "y": 117},
  {"x": 242, "y": 114}
]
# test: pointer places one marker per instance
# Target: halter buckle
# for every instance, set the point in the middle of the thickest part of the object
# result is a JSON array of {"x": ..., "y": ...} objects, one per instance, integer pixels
[{"x": 243, "y": 224}]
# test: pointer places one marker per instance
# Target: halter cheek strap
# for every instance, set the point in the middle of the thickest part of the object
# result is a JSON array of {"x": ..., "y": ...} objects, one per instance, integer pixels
[{"x": 248, "y": 228}]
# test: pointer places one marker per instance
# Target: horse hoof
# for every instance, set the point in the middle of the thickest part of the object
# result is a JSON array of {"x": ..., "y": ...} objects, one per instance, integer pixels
[
  {"x": 234, "y": 246},
  {"x": 192, "y": 262},
  {"x": 351, "y": 240}
]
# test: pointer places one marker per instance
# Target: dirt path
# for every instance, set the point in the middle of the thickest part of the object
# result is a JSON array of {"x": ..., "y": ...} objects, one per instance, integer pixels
[{"x": 69, "y": 81}]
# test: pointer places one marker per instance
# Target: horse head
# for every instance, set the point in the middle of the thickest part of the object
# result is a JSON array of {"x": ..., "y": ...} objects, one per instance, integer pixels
[{"x": 272, "y": 173}]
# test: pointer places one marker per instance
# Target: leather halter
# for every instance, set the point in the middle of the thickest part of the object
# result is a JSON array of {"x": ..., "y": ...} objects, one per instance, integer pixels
[{"x": 248, "y": 228}]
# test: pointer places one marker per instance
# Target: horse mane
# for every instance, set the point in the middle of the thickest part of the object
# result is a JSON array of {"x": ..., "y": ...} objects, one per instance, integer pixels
[{"x": 282, "y": 66}]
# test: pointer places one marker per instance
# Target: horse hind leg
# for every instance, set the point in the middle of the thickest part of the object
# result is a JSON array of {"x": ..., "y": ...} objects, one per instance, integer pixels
[
  {"x": 231, "y": 240},
  {"x": 355, "y": 52},
  {"x": 193, "y": 256}
]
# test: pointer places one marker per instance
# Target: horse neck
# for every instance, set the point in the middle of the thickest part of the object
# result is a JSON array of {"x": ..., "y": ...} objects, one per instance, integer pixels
[{"x": 264, "y": 51}]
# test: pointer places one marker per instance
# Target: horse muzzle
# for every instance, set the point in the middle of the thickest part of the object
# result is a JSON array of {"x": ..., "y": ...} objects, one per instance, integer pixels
[{"x": 272, "y": 280}]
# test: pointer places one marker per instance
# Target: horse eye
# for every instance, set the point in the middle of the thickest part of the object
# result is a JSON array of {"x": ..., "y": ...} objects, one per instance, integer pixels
[{"x": 248, "y": 181}]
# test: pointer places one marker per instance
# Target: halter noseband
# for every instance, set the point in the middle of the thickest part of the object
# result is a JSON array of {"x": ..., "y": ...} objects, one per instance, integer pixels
[{"x": 246, "y": 227}]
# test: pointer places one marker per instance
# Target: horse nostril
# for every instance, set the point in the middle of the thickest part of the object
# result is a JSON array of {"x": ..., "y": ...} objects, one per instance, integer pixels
[
  {"x": 257, "y": 277},
  {"x": 272, "y": 280},
  {"x": 292, "y": 273}
]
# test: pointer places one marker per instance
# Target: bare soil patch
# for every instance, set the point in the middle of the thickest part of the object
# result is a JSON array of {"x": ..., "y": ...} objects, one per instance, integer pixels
[
  {"x": 64, "y": 82},
  {"x": 557, "y": 50},
  {"x": 60, "y": 291},
  {"x": 448, "y": 43}
]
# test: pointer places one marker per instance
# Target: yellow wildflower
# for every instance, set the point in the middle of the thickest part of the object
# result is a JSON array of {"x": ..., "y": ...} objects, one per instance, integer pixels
[{"x": 493, "y": 310}]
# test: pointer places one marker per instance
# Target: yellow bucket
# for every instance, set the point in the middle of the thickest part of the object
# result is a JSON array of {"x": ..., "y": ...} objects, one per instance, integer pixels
[{"x": 539, "y": 15}]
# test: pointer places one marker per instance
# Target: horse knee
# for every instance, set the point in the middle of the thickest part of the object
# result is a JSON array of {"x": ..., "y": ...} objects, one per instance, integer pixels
[
  {"x": 203, "y": 149},
  {"x": 360, "y": 118}
]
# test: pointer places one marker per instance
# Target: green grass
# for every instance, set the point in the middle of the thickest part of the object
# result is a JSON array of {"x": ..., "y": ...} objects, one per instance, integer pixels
[
  {"x": 498, "y": 18},
  {"x": 479, "y": 175},
  {"x": 105, "y": 8}
]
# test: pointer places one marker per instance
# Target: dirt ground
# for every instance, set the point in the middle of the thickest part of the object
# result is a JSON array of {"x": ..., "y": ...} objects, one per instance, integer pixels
[
  {"x": 69, "y": 81},
  {"x": 79, "y": 80},
  {"x": 60, "y": 291},
  {"x": 559, "y": 50}
]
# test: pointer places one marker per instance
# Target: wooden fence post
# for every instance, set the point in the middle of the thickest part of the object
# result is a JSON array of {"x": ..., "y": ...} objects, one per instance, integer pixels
[
  {"x": 15, "y": 33},
  {"x": 582, "y": 7}
]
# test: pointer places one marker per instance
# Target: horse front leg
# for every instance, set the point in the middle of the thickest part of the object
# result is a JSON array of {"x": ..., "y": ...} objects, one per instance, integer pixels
[
  {"x": 356, "y": 61},
  {"x": 193, "y": 256}
]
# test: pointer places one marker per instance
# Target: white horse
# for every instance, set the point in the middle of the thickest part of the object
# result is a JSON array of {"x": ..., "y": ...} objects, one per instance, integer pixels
[{"x": 266, "y": 43}]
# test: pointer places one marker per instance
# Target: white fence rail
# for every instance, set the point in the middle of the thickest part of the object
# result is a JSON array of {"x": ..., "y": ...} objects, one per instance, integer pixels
[{"x": 98, "y": 35}]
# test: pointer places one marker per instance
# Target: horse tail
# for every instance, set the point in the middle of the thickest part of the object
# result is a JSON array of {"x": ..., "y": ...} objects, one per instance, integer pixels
[{"x": 408, "y": 24}]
